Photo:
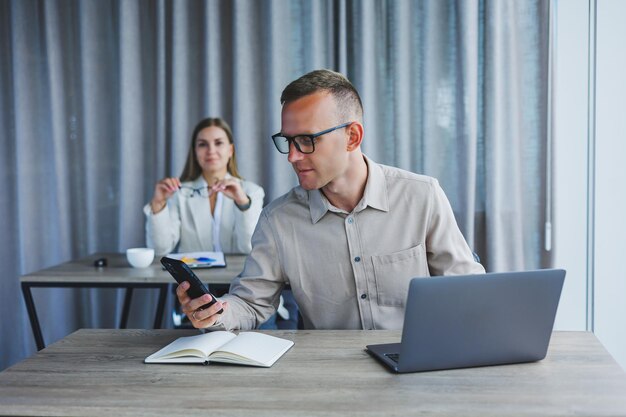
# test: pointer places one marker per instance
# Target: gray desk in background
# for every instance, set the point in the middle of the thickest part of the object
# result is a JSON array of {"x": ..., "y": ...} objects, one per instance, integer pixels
[
  {"x": 326, "y": 373},
  {"x": 118, "y": 273}
]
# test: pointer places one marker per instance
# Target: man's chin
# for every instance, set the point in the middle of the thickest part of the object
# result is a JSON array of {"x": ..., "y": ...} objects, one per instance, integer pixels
[{"x": 309, "y": 185}]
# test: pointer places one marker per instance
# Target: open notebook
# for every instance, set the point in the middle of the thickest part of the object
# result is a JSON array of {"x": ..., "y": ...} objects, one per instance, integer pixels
[{"x": 246, "y": 348}]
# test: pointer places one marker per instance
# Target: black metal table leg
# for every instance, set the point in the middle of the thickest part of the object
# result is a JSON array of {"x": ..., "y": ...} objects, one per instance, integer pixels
[
  {"x": 32, "y": 315},
  {"x": 126, "y": 309},
  {"x": 34, "y": 320},
  {"x": 161, "y": 305}
]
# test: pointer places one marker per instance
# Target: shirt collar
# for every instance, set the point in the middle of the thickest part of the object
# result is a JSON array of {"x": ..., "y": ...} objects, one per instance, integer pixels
[
  {"x": 318, "y": 205},
  {"x": 374, "y": 195}
]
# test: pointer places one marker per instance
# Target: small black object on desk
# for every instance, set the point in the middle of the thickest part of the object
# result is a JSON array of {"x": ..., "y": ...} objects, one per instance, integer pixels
[{"x": 100, "y": 262}]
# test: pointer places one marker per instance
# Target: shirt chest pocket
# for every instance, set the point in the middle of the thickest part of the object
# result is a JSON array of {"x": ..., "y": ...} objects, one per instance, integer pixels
[{"x": 394, "y": 271}]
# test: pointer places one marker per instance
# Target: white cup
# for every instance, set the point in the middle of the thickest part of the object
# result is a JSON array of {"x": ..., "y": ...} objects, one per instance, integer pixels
[{"x": 140, "y": 257}]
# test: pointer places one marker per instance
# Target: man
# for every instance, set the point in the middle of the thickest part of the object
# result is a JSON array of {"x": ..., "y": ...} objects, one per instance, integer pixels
[{"x": 350, "y": 237}]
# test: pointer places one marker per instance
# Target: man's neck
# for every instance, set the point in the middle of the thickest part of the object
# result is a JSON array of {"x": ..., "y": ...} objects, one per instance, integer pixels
[{"x": 346, "y": 192}]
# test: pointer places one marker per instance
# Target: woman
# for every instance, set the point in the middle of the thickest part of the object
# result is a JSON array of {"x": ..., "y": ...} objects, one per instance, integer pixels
[{"x": 210, "y": 208}]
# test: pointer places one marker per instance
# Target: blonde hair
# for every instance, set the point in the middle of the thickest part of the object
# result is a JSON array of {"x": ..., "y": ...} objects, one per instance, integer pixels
[
  {"x": 192, "y": 169},
  {"x": 349, "y": 105}
]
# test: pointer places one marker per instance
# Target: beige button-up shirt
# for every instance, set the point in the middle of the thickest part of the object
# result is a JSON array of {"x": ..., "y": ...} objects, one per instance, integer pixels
[{"x": 349, "y": 270}]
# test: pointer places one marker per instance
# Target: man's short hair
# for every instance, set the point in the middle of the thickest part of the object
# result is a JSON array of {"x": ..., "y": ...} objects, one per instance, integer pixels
[{"x": 348, "y": 100}]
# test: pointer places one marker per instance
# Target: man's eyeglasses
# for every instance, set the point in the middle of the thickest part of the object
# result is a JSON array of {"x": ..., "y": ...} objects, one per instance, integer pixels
[
  {"x": 189, "y": 192},
  {"x": 303, "y": 143}
]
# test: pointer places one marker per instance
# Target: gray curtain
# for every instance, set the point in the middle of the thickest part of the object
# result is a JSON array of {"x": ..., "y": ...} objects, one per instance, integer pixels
[{"x": 98, "y": 99}]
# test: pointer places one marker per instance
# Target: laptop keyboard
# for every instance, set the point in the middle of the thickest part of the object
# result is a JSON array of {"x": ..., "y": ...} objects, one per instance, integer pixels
[{"x": 393, "y": 356}]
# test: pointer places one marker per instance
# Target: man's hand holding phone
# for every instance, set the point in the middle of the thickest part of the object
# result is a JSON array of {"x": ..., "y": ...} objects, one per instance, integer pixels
[
  {"x": 197, "y": 302},
  {"x": 200, "y": 311}
]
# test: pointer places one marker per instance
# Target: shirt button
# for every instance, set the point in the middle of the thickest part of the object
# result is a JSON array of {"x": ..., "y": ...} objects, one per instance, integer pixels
[
  {"x": 350, "y": 220},
  {"x": 357, "y": 259},
  {"x": 363, "y": 296}
]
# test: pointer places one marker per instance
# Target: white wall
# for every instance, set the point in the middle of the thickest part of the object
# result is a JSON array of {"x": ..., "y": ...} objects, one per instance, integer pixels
[
  {"x": 590, "y": 221},
  {"x": 570, "y": 158},
  {"x": 610, "y": 209}
]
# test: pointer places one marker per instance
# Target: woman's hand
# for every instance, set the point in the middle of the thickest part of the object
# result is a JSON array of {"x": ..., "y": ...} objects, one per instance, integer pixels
[
  {"x": 232, "y": 189},
  {"x": 162, "y": 191}
]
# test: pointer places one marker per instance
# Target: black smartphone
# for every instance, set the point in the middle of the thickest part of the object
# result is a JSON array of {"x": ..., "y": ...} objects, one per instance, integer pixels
[{"x": 181, "y": 273}]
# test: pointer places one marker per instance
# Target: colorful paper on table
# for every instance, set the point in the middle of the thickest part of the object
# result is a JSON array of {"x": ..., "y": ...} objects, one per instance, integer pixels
[{"x": 201, "y": 259}]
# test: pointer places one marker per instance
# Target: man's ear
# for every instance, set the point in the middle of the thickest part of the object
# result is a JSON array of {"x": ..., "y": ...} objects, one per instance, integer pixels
[{"x": 355, "y": 132}]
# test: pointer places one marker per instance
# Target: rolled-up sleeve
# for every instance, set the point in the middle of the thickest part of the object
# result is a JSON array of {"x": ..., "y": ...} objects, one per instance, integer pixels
[
  {"x": 448, "y": 252},
  {"x": 254, "y": 295}
]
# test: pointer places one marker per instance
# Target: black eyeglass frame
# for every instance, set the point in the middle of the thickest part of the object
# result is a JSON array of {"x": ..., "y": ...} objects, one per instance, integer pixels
[
  {"x": 190, "y": 192},
  {"x": 311, "y": 137}
]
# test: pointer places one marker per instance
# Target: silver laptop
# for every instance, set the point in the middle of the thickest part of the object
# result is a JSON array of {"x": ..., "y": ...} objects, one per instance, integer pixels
[{"x": 475, "y": 320}]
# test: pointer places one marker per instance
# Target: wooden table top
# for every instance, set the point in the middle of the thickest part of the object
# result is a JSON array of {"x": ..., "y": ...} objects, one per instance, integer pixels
[
  {"x": 326, "y": 373},
  {"x": 119, "y": 271}
]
